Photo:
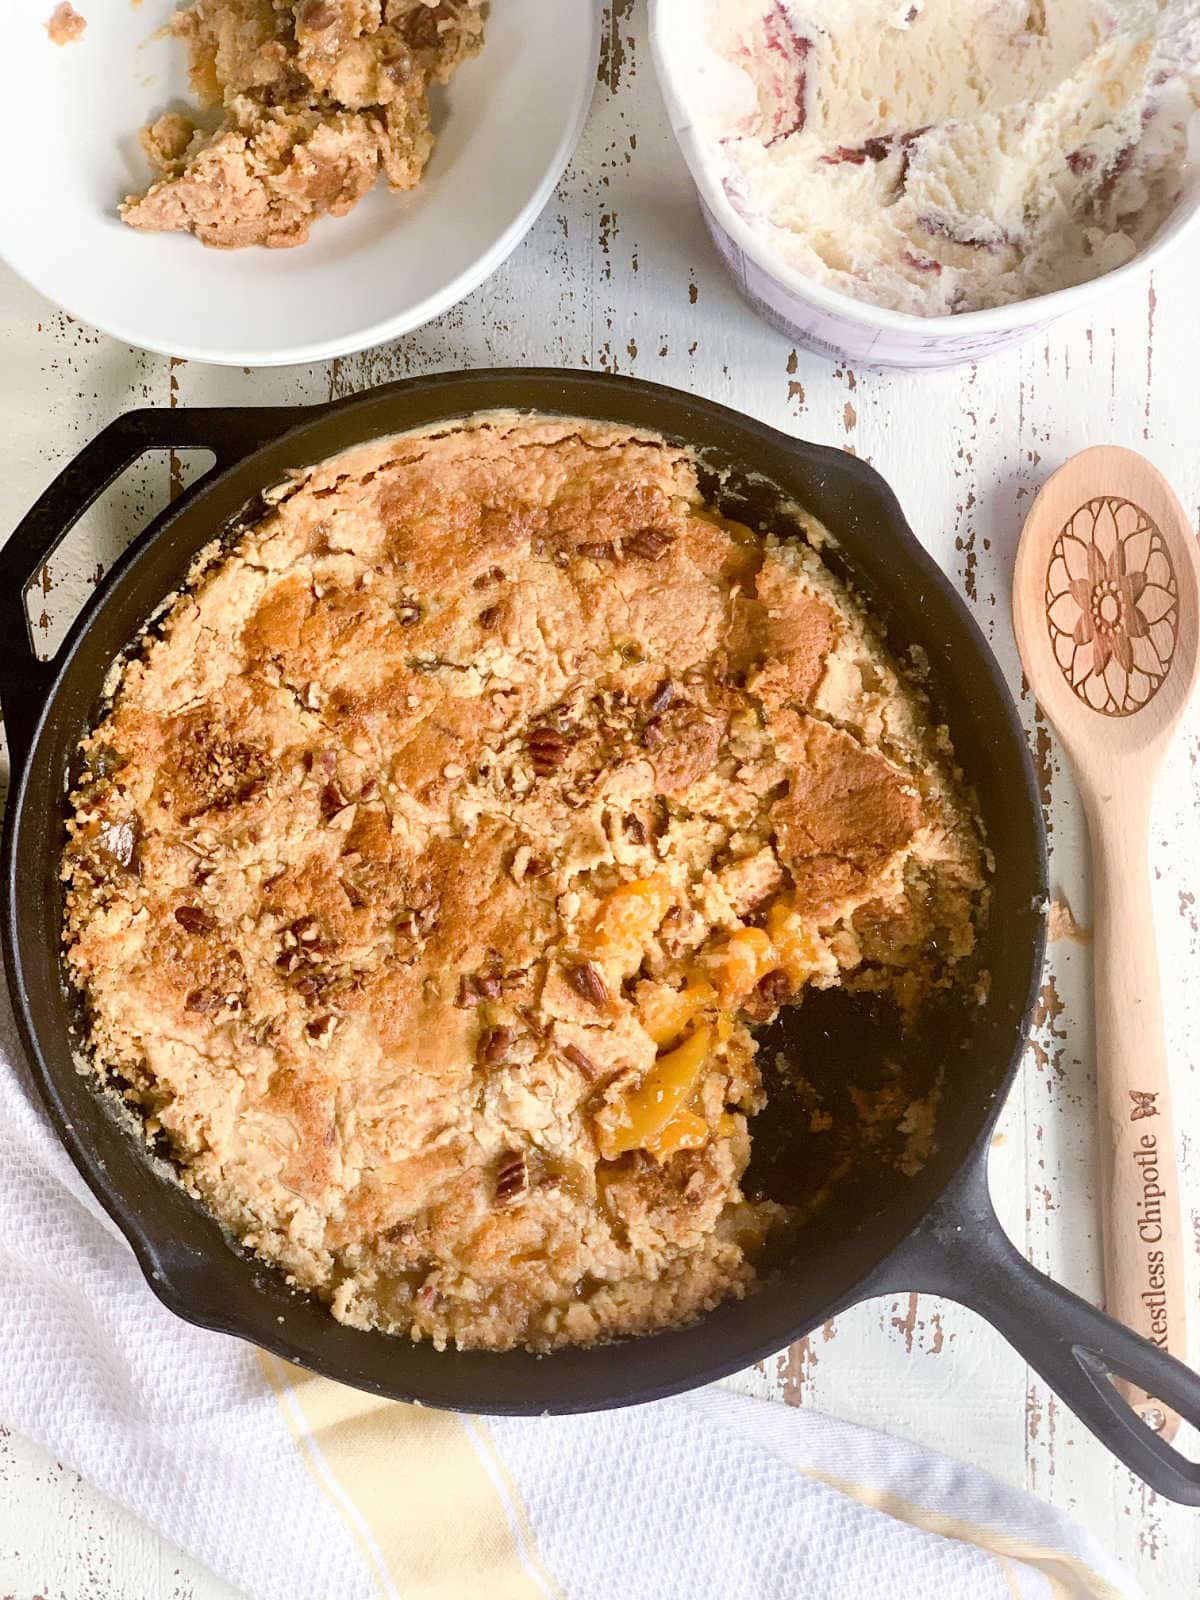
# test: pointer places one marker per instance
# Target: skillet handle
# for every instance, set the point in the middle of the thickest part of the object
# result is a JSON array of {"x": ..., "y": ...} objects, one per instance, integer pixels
[
  {"x": 961, "y": 1251},
  {"x": 230, "y": 433}
]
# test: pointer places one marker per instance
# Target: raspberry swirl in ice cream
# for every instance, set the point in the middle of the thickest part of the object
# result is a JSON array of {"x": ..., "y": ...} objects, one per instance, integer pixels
[{"x": 939, "y": 156}]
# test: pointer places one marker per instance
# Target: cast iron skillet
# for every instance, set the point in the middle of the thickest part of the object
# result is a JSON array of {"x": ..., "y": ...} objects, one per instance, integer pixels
[{"x": 935, "y": 1232}]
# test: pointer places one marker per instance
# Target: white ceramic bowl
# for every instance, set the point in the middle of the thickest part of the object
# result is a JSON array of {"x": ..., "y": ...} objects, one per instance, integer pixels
[
  {"x": 69, "y": 118},
  {"x": 823, "y": 319}
]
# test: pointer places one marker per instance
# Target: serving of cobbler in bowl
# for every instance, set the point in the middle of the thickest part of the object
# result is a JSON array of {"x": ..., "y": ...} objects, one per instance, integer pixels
[
  {"x": 315, "y": 98},
  {"x": 446, "y": 844},
  {"x": 356, "y": 167}
]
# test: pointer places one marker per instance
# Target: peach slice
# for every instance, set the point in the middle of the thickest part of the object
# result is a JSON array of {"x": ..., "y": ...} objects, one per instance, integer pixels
[
  {"x": 685, "y": 1131},
  {"x": 738, "y": 965},
  {"x": 797, "y": 949},
  {"x": 665, "y": 1012},
  {"x": 627, "y": 920},
  {"x": 662, "y": 1093}
]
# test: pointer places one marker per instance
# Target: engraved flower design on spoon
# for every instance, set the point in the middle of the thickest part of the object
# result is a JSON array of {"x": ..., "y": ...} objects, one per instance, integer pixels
[{"x": 1112, "y": 605}]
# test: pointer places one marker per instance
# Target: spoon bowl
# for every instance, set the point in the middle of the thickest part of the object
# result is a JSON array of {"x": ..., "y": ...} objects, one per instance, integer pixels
[{"x": 1105, "y": 607}]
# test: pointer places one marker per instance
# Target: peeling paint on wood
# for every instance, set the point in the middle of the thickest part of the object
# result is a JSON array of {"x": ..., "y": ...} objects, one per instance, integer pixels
[{"x": 620, "y": 275}]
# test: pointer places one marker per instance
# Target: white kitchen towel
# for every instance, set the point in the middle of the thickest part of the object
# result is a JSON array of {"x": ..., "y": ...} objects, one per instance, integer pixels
[{"x": 295, "y": 1488}]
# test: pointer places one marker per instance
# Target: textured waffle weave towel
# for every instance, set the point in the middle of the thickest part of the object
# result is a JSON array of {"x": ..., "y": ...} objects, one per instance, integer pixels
[{"x": 295, "y": 1488}]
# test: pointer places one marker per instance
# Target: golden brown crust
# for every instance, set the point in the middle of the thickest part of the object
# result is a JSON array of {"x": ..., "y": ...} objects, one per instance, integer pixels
[
  {"x": 846, "y": 814},
  {"x": 482, "y": 785}
]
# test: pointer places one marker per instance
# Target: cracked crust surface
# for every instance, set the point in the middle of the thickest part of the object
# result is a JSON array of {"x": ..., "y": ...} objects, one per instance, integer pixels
[
  {"x": 475, "y": 802},
  {"x": 317, "y": 97}
]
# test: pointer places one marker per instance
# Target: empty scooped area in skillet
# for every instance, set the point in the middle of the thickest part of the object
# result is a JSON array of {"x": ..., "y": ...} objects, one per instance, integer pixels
[
  {"x": 979, "y": 1036},
  {"x": 833, "y": 1059}
]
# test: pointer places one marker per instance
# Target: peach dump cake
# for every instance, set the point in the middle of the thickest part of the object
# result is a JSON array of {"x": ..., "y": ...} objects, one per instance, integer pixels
[
  {"x": 312, "y": 100},
  {"x": 443, "y": 847}
]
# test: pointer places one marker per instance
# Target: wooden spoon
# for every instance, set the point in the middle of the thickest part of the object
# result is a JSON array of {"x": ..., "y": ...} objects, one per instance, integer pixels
[{"x": 1105, "y": 606}]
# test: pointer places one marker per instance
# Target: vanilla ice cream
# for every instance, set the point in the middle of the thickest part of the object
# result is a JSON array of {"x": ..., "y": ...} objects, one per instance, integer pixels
[{"x": 939, "y": 156}]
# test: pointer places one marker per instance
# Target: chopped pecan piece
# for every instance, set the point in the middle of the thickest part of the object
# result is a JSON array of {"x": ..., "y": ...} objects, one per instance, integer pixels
[
  {"x": 596, "y": 550},
  {"x": 648, "y": 544},
  {"x": 635, "y": 829},
  {"x": 582, "y": 1063},
  {"x": 490, "y": 617},
  {"x": 547, "y": 749},
  {"x": 320, "y": 1029},
  {"x": 766, "y": 998},
  {"x": 476, "y": 986},
  {"x": 421, "y": 26},
  {"x": 512, "y": 1177},
  {"x": 587, "y": 982},
  {"x": 533, "y": 1022},
  {"x": 204, "y": 1001},
  {"x": 209, "y": 773},
  {"x": 408, "y": 612},
  {"x": 311, "y": 986},
  {"x": 332, "y": 801},
  {"x": 661, "y": 698},
  {"x": 494, "y": 1044},
  {"x": 193, "y": 920}
]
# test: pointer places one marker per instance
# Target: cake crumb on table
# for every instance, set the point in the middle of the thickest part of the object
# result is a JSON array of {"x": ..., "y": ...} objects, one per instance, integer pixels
[
  {"x": 1061, "y": 925},
  {"x": 66, "y": 26}
]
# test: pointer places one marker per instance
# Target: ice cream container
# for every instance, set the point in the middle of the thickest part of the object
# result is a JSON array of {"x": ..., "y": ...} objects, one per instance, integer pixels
[{"x": 812, "y": 314}]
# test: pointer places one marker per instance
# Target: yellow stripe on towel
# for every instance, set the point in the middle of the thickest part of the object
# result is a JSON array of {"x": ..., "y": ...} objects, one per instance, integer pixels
[
  {"x": 432, "y": 1522},
  {"x": 1068, "y": 1577}
]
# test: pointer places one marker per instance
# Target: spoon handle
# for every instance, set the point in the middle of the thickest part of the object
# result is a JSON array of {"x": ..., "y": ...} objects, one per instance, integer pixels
[{"x": 1143, "y": 1241}]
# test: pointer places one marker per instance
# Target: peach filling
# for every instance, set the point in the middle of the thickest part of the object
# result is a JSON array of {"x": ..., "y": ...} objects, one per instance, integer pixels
[
  {"x": 650, "y": 1109},
  {"x": 689, "y": 1025}
]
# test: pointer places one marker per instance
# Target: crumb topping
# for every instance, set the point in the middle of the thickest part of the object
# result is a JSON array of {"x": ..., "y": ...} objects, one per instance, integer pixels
[{"x": 443, "y": 845}]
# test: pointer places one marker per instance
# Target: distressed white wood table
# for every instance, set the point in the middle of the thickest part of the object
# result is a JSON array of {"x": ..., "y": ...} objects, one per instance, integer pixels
[{"x": 619, "y": 275}]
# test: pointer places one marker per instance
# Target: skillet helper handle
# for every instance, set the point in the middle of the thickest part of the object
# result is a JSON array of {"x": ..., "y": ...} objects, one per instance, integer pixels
[
  {"x": 1143, "y": 1228},
  {"x": 230, "y": 433},
  {"x": 962, "y": 1252}
]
